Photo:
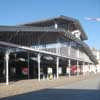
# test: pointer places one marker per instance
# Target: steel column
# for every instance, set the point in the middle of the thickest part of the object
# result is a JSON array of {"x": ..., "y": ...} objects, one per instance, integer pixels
[
  {"x": 7, "y": 66},
  {"x": 77, "y": 68},
  {"x": 57, "y": 67},
  {"x": 83, "y": 69},
  {"x": 39, "y": 66},
  {"x": 28, "y": 62},
  {"x": 69, "y": 65},
  {"x": 69, "y": 51}
]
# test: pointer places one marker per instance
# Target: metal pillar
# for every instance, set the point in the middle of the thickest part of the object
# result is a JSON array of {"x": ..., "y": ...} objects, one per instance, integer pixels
[
  {"x": 77, "y": 68},
  {"x": 7, "y": 66},
  {"x": 39, "y": 66},
  {"x": 96, "y": 69},
  {"x": 83, "y": 69},
  {"x": 69, "y": 65},
  {"x": 57, "y": 67},
  {"x": 28, "y": 62},
  {"x": 78, "y": 53},
  {"x": 69, "y": 50},
  {"x": 89, "y": 67}
]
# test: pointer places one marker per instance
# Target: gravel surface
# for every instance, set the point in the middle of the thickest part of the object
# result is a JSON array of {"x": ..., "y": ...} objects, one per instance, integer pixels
[{"x": 73, "y": 88}]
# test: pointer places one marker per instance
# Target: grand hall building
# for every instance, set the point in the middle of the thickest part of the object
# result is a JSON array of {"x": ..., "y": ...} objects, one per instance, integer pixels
[{"x": 39, "y": 49}]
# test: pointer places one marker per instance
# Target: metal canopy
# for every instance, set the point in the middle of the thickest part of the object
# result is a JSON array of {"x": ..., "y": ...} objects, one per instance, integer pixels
[
  {"x": 59, "y": 20},
  {"x": 40, "y": 32},
  {"x": 26, "y": 36}
]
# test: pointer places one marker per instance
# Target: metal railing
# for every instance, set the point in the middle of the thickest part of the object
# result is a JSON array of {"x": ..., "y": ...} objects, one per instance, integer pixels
[{"x": 63, "y": 51}]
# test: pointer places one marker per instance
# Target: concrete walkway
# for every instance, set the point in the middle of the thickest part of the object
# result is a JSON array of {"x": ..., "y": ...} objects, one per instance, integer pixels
[{"x": 25, "y": 86}]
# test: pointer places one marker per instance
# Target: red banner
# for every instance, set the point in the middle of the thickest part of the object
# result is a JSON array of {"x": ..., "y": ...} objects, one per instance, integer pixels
[{"x": 24, "y": 70}]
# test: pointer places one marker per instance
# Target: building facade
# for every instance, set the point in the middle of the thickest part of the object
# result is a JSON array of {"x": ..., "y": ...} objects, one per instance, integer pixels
[{"x": 40, "y": 49}]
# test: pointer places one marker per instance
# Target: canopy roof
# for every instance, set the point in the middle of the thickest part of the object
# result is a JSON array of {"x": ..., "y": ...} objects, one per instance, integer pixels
[
  {"x": 59, "y": 20},
  {"x": 25, "y": 36}
]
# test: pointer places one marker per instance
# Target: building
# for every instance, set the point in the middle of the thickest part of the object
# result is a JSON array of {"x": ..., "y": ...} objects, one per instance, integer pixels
[{"x": 38, "y": 49}]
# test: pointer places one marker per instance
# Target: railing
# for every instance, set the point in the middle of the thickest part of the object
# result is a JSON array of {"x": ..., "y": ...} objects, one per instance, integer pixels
[
  {"x": 53, "y": 50},
  {"x": 83, "y": 56},
  {"x": 73, "y": 53},
  {"x": 64, "y": 51}
]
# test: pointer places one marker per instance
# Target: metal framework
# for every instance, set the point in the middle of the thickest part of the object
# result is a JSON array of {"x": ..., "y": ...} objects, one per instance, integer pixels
[
  {"x": 17, "y": 35},
  {"x": 28, "y": 35}
]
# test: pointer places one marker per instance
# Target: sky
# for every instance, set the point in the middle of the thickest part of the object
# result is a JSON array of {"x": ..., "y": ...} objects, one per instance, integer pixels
[{"x": 14, "y": 12}]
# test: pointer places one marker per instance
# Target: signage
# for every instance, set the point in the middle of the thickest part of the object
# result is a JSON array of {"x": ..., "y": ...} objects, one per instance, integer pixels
[{"x": 76, "y": 33}]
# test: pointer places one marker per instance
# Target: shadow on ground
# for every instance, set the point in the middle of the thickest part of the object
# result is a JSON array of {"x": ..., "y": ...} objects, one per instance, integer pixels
[{"x": 58, "y": 94}]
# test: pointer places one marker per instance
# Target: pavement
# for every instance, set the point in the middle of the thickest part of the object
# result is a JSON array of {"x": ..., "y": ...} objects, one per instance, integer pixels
[{"x": 73, "y": 88}]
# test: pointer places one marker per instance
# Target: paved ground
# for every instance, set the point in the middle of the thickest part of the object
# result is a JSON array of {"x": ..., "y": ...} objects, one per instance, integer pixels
[{"x": 87, "y": 89}]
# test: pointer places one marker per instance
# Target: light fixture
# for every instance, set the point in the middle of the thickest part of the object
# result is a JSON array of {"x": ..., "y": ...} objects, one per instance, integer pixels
[
  {"x": 22, "y": 59},
  {"x": 34, "y": 58},
  {"x": 48, "y": 57}
]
